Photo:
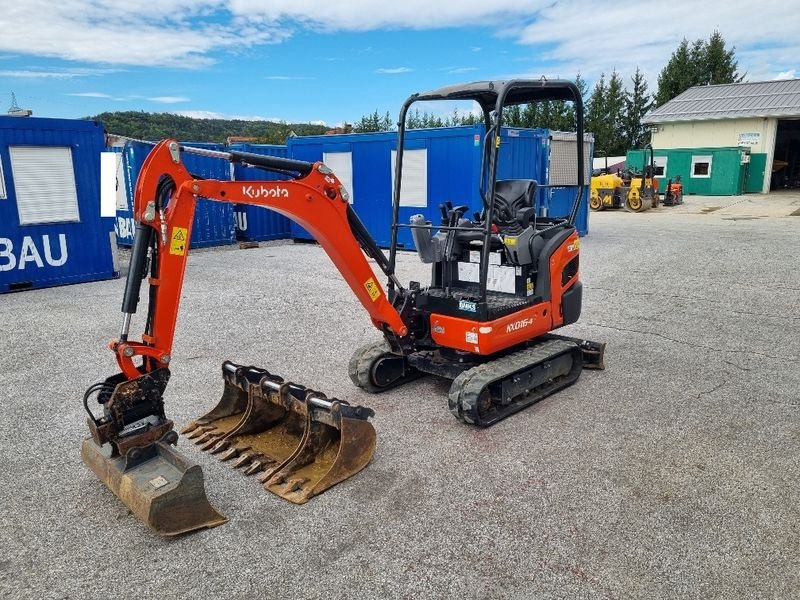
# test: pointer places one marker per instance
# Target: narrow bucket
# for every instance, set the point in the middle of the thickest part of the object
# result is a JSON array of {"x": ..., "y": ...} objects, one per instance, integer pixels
[
  {"x": 157, "y": 484},
  {"x": 299, "y": 440}
]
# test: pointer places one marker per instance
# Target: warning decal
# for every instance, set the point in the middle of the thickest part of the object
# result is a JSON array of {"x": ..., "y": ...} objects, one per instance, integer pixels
[
  {"x": 372, "y": 289},
  {"x": 177, "y": 244}
]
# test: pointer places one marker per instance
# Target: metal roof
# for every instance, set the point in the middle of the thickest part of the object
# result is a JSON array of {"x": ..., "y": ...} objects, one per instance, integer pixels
[{"x": 731, "y": 101}]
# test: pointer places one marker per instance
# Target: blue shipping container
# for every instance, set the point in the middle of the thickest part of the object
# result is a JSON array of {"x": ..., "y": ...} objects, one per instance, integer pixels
[
  {"x": 213, "y": 221},
  {"x": 256, "y": 223},
  {"x": 51, "y": 232},
  {"x": 445, "y": 167}
]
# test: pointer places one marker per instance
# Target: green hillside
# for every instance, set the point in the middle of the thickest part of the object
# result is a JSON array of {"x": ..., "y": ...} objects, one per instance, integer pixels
[{"x": 156, "y": 126}]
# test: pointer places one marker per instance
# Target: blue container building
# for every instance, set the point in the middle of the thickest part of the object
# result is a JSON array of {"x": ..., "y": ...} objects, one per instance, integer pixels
[
  {"x": 256, "y": 223},
  {"x": 51, "y": 232},
  {"x": 213, "y": 221},
  {"x": 439, "y": 165}
]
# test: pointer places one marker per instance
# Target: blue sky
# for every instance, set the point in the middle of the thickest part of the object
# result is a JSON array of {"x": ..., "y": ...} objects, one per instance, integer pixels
[{"x": 309, "y": 60}]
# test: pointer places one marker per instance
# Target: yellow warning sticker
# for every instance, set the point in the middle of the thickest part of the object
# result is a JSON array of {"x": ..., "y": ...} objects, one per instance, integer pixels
[
  {"x": 177, "y": 244},
  {"x": 372, "y": 289}
]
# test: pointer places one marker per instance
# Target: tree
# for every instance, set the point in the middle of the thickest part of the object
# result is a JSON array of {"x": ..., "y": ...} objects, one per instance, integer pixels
[
  {"x": 637, "y": 102},
  {"x": 701, "y": 63},
  {"x": 606, "y": 115},
  {"x": 720, "y": 65}
]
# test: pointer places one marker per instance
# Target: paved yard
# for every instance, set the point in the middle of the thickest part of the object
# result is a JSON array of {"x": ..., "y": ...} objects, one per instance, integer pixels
[{"x": 673, "y": 473}]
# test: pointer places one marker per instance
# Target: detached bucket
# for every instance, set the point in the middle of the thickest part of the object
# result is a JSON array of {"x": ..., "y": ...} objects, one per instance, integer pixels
[
  {"x": 302, "y": 442},
  {"x": 157, "y": 484}
]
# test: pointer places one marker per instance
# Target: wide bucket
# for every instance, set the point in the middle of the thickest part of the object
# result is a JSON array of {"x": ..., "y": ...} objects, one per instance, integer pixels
[
  {"x": 157, "y": 484},
  {"x": 299, "y": 440}
]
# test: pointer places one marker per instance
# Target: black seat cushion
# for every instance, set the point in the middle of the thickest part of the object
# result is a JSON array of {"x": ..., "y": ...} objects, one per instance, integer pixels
[{"x": 510, "y": 197}]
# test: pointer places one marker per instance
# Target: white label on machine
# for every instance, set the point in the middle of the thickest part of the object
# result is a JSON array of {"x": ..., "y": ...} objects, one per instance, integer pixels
[
  {"x": 500, "y": 279},
  {"x": 475, "y": 257},
  {"x": 471, "y": 337},
  {"x": 158, "y": 482}
]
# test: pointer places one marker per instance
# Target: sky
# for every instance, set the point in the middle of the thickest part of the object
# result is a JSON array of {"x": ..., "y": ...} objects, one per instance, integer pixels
[{"x": 333, "y": 61}]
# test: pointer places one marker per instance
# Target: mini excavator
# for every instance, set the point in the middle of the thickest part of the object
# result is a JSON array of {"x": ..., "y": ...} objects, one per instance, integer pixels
[{"x": 502, "y": 281}]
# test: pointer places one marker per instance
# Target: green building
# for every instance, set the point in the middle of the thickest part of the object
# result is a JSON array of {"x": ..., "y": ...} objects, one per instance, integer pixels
[
  {"x": 707, "y": 171},
  {"x": 704, "y": 131}
]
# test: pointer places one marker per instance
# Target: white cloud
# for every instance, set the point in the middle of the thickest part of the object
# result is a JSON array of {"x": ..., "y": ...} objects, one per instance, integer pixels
[
  {"x": 90, "y": 95},
  {"x": 563, "y": 36},
  {"x": 210, "y": 114},
  {"x": 393, "y": 70},
  {"x": 458, "y": 70},
  {"x": 52, "y": 73},
  {"x": 177, "y": 33},
  {"x": 786, "y": 74},
  {"x": 572, "y": 44},
  {"x": 168, "y": 99}
]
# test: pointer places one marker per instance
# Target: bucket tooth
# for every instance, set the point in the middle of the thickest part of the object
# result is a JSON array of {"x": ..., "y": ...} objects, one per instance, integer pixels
[
  {"x": 199, "y": 431},
  {"x": 211, "y": 443},
  {"x": 232, "y": 453},
  {"x": 258, "y": 465},
  {"x": 209, "y": 436},
  {"x": 189, "y": 427},
  {"x": 220, "y": 446},
  {"x": 244, "y": 459},
  {"x": 160, "y": 486}
]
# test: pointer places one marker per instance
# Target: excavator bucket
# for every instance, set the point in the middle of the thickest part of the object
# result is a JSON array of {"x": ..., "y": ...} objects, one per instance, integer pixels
[
  {"x": 157, "y": 484},
  {"x": 299, "y": 441}
]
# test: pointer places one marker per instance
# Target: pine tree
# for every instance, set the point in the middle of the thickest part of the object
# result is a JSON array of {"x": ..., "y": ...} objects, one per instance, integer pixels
[
  {"x": 637, "y": 103},
  {"x": 720, "y": 65},
  {"x": 596, "y": 114},
  {"x": 701, "y": 63}
]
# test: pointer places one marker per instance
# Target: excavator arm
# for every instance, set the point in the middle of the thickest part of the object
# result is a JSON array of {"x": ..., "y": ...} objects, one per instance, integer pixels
[
  {"x": 164, "y": 205},
  {"x": 300, "y": 441}
]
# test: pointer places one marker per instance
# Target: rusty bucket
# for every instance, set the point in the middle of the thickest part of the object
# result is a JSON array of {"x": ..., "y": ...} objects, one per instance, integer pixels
[
  {"x": 157, "y": 484},
  {"x": 300, "y": 441}
]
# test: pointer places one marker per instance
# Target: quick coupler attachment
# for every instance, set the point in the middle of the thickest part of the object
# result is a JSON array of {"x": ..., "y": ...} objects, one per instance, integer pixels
[
  {"x": 131, "y": 451},
  {"x": 299, "y": 441}
]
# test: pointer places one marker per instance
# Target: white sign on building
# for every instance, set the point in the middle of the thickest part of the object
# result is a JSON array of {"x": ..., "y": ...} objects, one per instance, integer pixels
[{"x": 752, "y": 138}]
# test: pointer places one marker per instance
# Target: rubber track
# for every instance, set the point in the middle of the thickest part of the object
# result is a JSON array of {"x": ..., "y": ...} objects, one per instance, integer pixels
[
  {"x": 467, "y": 387},
  {"x": 360, "y": 368}
]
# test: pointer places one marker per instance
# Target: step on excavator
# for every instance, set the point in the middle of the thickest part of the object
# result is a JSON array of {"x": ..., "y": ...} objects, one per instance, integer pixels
[{"x": 502, "y": 281}]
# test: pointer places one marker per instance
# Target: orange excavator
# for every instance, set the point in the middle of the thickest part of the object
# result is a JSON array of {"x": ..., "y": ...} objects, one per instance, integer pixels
[{"x": 501, "y": 282}]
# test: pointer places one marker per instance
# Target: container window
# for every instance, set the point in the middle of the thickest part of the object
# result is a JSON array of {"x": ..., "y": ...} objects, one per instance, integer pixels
[
  {"x": 2, "y": 182},
  {"x": 701, "y": 166},
  {"x": 44, "y": 182},
  {"x": 414, "y": 185},
  {"x": 341, "y": 163},
  {"x": 661, "y": 165}
]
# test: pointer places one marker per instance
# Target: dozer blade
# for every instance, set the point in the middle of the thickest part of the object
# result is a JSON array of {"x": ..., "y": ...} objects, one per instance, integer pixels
[
  {"x": 157, "y": 484},
  {"x": 301, "y": 442}
]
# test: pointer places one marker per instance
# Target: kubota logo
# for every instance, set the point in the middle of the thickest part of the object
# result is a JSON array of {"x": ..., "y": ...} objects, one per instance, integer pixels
[
  {"x": 517, "y": 325},
  {"x": 261, "y": 191}
]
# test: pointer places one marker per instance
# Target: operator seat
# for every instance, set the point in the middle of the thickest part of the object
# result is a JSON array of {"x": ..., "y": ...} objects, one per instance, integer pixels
[{"x": 514, "y": 205}]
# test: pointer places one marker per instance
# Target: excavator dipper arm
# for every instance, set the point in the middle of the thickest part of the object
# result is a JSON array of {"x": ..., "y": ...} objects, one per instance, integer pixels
[{"x": 165, "y": 199}]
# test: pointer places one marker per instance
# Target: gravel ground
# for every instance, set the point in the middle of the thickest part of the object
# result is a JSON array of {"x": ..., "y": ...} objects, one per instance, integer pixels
[{"x": 673, "y": 473}]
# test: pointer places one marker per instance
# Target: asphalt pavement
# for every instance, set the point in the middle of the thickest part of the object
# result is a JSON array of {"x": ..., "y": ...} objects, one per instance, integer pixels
[{"x": 673, "y": 473}]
